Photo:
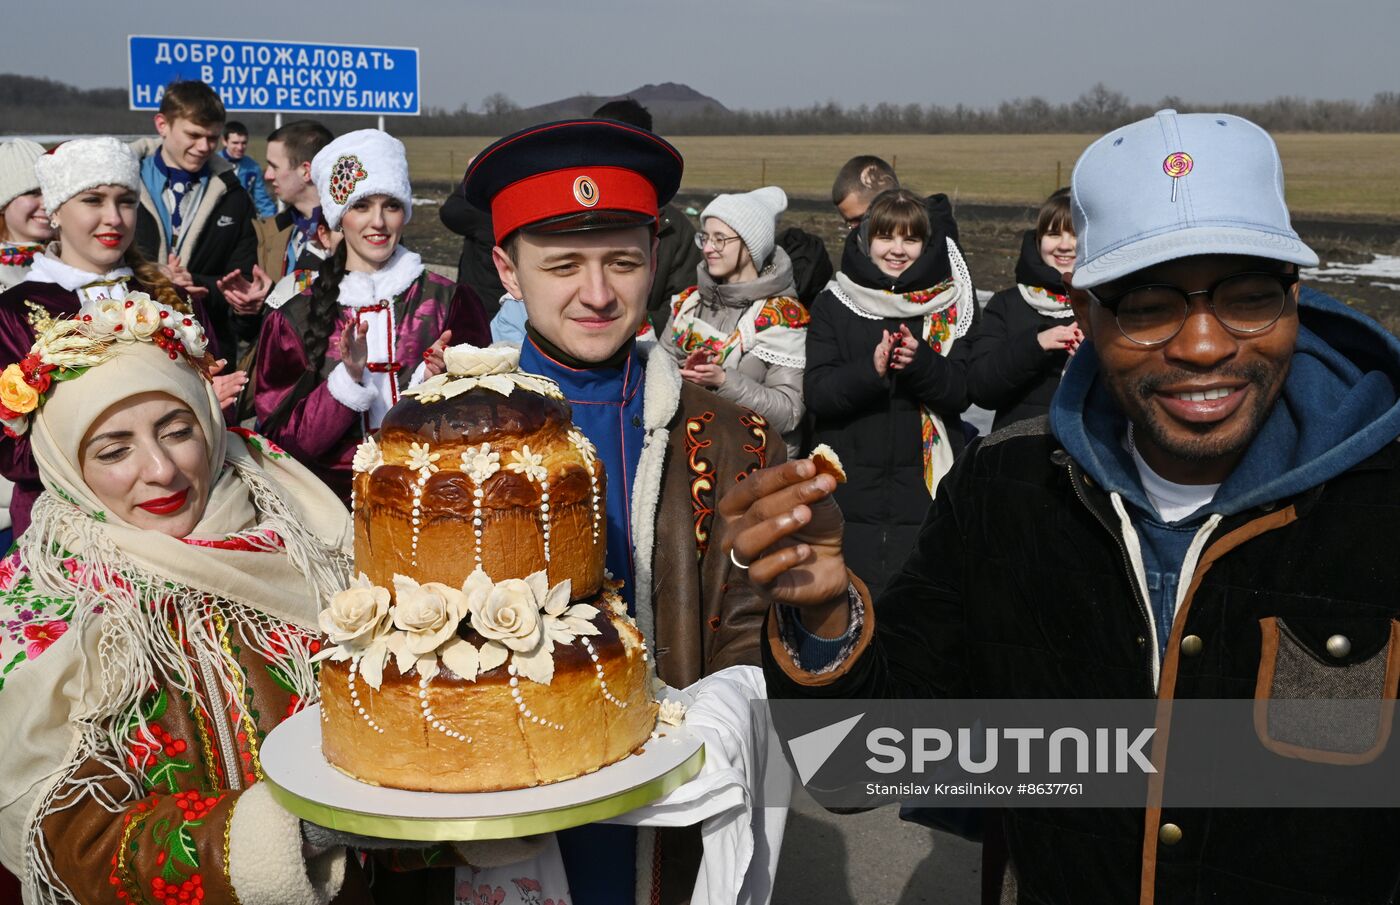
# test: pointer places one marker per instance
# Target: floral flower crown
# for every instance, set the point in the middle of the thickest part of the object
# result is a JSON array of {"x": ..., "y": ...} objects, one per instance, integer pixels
[{"x": 65, "y": 348}]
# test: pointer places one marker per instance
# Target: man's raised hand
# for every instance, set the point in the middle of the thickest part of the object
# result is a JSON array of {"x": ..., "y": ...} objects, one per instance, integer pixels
[{"x": 783, "y": 524}]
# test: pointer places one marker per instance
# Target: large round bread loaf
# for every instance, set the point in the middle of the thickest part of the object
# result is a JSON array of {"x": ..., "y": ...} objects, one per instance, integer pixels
[{"x": 486, "y": 508}]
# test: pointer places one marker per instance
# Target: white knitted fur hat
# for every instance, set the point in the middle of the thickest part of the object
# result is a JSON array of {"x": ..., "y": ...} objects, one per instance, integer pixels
[
  {"x": 17, "y": 169},
  {"x": 754, "y": 216},
  {"x": 85, "y": 163},
  {"x": 357, "y": 165}
]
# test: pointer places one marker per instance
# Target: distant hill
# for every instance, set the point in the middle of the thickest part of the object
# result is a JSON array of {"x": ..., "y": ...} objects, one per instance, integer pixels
[
  {"x": 40, "y": 106},
  {"x": 665, "y": 101}
]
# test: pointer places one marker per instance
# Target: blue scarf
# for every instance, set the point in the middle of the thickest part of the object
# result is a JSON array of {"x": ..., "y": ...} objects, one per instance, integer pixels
[
  {"x": 180, "y": 181},
  {"x": 607, "y": 407},
  {"x": 305, "y": 231}
]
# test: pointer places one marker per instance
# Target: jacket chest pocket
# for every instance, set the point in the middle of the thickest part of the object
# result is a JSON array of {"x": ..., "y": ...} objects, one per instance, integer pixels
[{"x": 1326, "y": 687}]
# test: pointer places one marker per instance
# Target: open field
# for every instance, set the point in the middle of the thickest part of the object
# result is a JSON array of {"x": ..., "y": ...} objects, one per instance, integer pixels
[
  {"x": 1344, "y": 192},
  {"x": 1349, "y": 175}
]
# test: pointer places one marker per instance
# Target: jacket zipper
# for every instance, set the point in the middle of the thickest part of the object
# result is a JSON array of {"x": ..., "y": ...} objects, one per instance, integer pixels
[
  {"x": 220, "y": 718},
  {"x": 1128, "y": 567}
]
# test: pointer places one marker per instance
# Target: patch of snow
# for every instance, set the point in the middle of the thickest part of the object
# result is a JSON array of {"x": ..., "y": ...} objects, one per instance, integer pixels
[{"x": 1380, "y": 266}]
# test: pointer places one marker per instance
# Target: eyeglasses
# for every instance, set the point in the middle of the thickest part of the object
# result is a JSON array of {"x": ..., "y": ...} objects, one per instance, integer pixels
[
  {"x": 1244, "y": 303},
  {"x": 718, "y": 241}
]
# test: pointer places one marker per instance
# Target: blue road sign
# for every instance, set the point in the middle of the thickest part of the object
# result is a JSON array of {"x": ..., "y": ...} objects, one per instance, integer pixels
[{"x": 278, "y": 76}]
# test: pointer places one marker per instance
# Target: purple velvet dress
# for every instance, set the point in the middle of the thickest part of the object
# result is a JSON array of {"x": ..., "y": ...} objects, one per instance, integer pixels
[
  {"x": 295, "y": 406},
  {"x": 16, "y": 339}
]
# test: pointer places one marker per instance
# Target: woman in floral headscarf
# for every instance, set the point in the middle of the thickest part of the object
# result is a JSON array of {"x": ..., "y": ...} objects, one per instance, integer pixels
[
  {"x": 157, "y": 621},
  {"x": 879, "y": 382}
]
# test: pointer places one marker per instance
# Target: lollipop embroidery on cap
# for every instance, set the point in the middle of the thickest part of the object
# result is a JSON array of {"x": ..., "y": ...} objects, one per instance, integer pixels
[
  {"x": 345, "y": 175},
  {"x": 585, "y": 191},
  {"x": 1176, "y": 166}
]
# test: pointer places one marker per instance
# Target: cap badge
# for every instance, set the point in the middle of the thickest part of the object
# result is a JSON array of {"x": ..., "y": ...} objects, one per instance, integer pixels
[
  {"x": 585, "y": 191},
  {"x": 1177, "y": 165},
  {"x": 345, "y": 175}
]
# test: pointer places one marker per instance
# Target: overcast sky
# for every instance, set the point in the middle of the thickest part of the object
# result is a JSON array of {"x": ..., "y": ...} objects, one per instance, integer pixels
[{"x": 760, "y": 54}]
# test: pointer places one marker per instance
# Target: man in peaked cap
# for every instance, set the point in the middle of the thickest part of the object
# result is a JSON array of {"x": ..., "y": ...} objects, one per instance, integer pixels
[
  {"x": 574, "y": 209},
  {"x": 1209, "y": 512}
]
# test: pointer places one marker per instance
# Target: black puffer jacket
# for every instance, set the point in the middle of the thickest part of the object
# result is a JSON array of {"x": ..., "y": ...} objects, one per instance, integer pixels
[
  {"x": 1007, "y": 370},
  {"x": 874, "y": 422},
  {"x": 475, "y": 268},
  {"x": 223, "y": 241}
]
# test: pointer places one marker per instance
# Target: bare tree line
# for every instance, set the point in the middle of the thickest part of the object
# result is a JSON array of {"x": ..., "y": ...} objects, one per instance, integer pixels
[{"x": 43, "y": 106}]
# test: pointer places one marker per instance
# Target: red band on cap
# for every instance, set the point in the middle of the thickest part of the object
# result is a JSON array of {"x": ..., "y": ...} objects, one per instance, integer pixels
[{"x": 571, "y": 191}]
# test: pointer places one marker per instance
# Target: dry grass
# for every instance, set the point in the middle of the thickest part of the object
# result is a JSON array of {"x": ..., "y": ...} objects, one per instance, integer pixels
[{"x": 1350, "y": 175}]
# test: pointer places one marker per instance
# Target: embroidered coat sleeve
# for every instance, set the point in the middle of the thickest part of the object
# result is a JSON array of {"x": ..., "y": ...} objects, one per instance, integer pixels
[
  {"x": 190, "y": 846},
  {"x": 178, "y": 835},
  {"x": 737, "y": 634},
  {"x": 315, "y": 422},
  {"x": 835, "y": 385},
  {"x": 708, "y": 616}
]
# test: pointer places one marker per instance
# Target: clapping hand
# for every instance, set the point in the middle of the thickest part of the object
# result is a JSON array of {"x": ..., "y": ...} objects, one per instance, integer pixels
[
  {"x": 354, "y": 349},
  {"x": 882, "y": 353},
  {"x": 181, "y": 277},
  {"x": 227, "y": 386},
  {"x": 432, "y": 357},
  {"x": 246, "y": 297},
  {"x": 905, "y": 346},
  {"x": 1064, "y": 338},
  {"x": 699, "y": 368}
]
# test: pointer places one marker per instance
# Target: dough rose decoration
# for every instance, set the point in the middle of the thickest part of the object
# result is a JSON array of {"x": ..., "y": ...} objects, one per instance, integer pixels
[
  {"x": 64, "y": 348},
  {"x": 520, "y": 620},
  {"x": 368, "y": 456},
  {"x": 496, "y": 367}
]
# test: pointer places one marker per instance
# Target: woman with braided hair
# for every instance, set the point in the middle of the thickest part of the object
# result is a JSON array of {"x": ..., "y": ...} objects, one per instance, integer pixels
[
  {"x": 91, "y": 188},
  {"x": 334, "y": 358}
]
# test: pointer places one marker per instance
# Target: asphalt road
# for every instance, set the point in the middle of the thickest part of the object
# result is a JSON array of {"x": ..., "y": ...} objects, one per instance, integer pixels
[{"x": 872, "y": 857}]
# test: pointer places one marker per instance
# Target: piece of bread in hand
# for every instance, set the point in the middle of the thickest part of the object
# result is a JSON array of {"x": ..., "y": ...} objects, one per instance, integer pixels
[{"x": 827, "y": 462}]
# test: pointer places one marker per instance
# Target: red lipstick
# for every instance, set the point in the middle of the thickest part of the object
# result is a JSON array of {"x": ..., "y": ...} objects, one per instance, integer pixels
[{"x": 167, "y": 504}]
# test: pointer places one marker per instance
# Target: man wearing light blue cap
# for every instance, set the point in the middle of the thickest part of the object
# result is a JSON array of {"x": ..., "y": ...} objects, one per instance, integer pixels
[{"x": 1209, "y": 512}]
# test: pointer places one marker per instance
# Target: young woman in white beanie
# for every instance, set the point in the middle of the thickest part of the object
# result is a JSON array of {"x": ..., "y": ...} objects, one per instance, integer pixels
[
  {"x": 333, "y": 359},
  {"x": 90, "y": 189},
  {"x": 24, "y": 224},
  {"x": 740, "y": 331}
]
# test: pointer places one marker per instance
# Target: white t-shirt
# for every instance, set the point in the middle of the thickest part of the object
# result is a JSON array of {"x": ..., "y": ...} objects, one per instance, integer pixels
[{"x": 1173, "y": 502}]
